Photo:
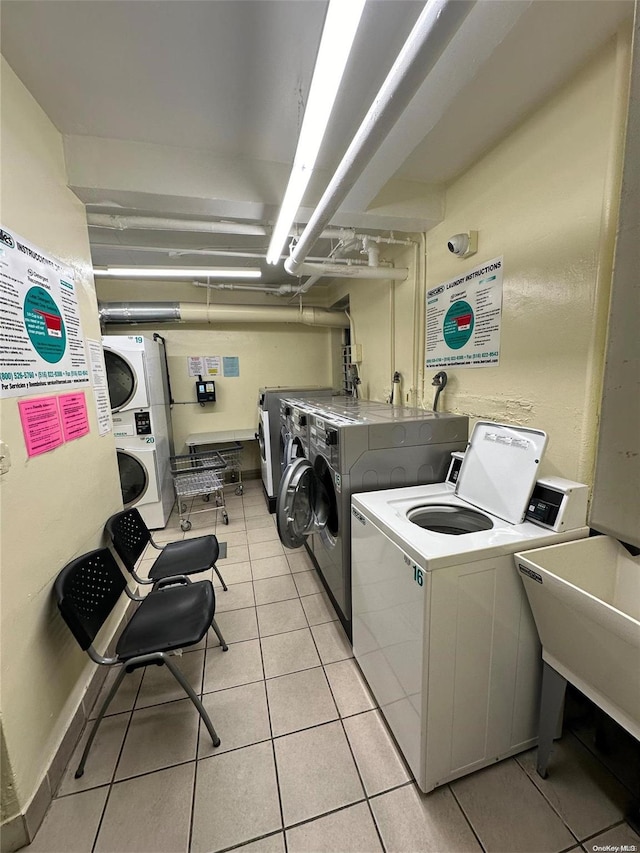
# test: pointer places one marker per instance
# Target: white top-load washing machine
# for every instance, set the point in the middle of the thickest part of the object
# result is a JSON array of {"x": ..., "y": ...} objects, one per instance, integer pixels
[
  {"x": 269, "y": 431},
  {"x": 139, "y": 397},
  {"x": 352, "y": 448},
  {"x": 441, "y": 627}
]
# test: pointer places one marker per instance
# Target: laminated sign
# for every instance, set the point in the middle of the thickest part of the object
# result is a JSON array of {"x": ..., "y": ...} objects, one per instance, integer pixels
[
  {"x": 463, "y": 319},
  {"x": 41, "y": 342}
]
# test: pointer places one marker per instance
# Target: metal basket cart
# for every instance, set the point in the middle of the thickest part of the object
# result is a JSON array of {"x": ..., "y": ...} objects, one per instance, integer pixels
[
  {"x": 199, "y": 475},
  {"x": 232, "y": 455}
]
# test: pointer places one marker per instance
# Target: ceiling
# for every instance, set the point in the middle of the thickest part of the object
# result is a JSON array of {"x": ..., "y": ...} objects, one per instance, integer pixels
[{"x": 190, "y": 109}]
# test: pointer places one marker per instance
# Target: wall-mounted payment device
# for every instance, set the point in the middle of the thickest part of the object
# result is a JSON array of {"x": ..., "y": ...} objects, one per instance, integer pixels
[{"x": 205, "y": 391}]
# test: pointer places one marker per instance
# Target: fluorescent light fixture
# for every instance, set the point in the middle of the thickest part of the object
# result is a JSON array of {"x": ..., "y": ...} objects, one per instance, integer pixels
[
  {"x": 176, "y": 272},
  {"x": 338, "y": 34}
]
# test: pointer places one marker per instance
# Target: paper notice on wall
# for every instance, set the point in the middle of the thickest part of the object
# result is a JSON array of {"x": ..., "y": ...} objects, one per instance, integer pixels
[
  {"x": 73, "y": 414},
  {"x": 195, "y": 365},
  {"x": 41, "y": 343},
  {"x": 100, "y": 387},
  {"x": 463, "y": 319},
  {"x": 212, "y": 366},
  {"x": 231, "y": 365},
  {"x": 41, "y": 425}
]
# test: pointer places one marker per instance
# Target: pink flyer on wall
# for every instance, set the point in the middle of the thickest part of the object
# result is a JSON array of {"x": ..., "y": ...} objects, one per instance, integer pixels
[
  {"x": 41, "y": 425},
  {"x": 73, "y": 411}
]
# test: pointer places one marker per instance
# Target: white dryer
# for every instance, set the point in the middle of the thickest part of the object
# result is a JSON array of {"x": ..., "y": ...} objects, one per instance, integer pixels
[
  {"x": 142, "y": 486},
  {"x": 441, "y": 627},
  {"x": 133, "y": 368}
]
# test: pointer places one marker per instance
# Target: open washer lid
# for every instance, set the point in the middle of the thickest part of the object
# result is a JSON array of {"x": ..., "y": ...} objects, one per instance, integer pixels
[{"x": 500, "y": 469}]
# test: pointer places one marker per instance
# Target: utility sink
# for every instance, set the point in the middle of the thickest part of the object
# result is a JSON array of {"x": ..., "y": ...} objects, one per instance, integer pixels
[{"x": 585, "y": 598}]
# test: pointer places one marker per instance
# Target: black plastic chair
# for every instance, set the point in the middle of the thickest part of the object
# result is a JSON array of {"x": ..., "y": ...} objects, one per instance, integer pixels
[
  {"x": 130, "y": 536},
  {"x": 175, "y": 615}
]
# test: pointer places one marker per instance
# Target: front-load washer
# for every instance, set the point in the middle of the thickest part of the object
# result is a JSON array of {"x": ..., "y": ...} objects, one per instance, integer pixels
[
  {"x": 142, "y": 486},
  {"x": 367, "y": 448},
  {"x": 442, "y": 630},
  {"x": 269, "y": 434}
]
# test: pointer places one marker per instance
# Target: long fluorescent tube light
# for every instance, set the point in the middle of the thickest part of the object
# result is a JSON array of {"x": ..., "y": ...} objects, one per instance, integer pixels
[
  {"x": 177, "y": 272},
  {"x": 338, "y": 34}
]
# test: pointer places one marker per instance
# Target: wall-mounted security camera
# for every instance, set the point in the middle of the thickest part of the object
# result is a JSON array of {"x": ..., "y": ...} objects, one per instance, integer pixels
[{"x": 463, "y": 245}]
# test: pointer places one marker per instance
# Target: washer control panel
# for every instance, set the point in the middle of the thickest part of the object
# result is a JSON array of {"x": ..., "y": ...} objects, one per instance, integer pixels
[{"x": 558, "y": 504}]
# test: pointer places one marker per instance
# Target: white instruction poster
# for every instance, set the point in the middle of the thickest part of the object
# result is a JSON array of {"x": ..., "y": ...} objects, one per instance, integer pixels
[
  {"x": 463, "y": 319},
  {"x": 41, "y": 343},
  {"x": 100, "y": 387}
]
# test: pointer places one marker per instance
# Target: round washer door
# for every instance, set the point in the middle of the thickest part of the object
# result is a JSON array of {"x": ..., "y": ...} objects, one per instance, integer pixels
[
  {"x": 134, "y": 479},
  {"x": 303, "y": 504},
  {"x": 121, "y": 379},
  {"x": 261, "y": 441}
]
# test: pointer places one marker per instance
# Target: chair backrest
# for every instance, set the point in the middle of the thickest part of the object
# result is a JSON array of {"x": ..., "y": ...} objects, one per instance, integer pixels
[
  {"x": 87, "y": 590},
  {"x": 130, "y": 536}
]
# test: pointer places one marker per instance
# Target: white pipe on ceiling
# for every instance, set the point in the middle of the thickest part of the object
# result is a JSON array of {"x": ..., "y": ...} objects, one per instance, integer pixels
[
  {"x": 434, "y": 29},
  {"x": 340, "y": 271},
  {"x": 119, "y": 222},
  {"x": 197, "y": 312}
]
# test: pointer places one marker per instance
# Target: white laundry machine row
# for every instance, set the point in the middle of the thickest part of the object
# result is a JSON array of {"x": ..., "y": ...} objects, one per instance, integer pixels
[
  {"x": 442, "y": 630},
  {"x": 141, "y": 424},
  {"x": 345, "y": 447},
  {"x": 268, "y": 434}
]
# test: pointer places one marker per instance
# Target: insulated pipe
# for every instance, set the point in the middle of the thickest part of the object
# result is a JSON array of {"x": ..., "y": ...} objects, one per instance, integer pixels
[
  {"x": 196, "y": 312},
  {"x": 158, "y": 223},
  {"x": 340, "y": 271},
  {"x": 434, "y": 29},
  {"x": 122, "y": 223}
]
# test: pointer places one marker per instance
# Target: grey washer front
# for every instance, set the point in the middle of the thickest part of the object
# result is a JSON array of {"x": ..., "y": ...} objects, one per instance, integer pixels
[
  {"x": 357, "y": 447},
  {"x": 269, "y": 401}
]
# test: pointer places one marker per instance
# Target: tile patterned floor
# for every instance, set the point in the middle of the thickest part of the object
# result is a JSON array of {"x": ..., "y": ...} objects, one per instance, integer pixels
[{"x": 305, "y": 763}]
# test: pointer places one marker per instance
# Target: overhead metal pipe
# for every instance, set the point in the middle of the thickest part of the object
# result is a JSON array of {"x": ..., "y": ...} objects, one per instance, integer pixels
[
  {"x": 197, "y": 312},
  {"x": 119, "y": 222},
  {"x": 342, "y": 271},
  {"x": 434, "y": 29}
]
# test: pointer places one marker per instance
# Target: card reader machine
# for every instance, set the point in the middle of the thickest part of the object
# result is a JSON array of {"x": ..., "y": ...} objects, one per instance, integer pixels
[{"x": 205, "y": 391}]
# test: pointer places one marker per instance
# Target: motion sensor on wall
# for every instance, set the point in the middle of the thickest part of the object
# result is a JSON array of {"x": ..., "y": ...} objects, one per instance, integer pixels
[{"x": 463, "y": 245}]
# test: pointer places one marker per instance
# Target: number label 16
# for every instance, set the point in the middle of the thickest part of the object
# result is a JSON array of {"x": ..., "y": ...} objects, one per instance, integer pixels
[{"x": 418, "y": 576}]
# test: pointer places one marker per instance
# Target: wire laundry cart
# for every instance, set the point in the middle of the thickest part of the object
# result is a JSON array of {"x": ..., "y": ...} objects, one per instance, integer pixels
[
  {"x": 199, "y": 475},
  {"x": 232, "y": 455}
]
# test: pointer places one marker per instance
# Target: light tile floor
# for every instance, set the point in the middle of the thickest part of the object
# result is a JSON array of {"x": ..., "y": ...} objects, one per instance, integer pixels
[{"x": 305, "y": 762}]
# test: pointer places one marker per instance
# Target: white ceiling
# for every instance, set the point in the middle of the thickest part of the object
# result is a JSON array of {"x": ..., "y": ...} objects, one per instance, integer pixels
[{"x": 191, "y": 108}]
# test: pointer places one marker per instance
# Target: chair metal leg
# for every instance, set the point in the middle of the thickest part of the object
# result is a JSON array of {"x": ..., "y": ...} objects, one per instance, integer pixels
[
  {"x": 551, "y": 704},
  {"x": 188, "y": 689},
  {"x": 225, "y": 647},
  {"x": 94, "y": 730},
  {"x": 224, "y": 586}
]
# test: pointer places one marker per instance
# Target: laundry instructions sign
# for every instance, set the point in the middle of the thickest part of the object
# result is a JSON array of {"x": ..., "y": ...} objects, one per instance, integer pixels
[
  {"x": 463, "y": 319},
  {"x": 41, "y": 343}
]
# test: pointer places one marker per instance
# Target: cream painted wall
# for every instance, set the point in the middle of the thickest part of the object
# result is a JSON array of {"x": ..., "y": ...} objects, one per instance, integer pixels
[
  {"x": 286, "y": 354},
  {"x": 53, "y": 506},
  {"x": 544, "y": 198}
]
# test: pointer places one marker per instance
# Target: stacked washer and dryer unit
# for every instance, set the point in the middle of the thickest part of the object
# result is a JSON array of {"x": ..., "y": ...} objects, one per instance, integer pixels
[
  {"x": 138, "y": 390},
  {"x": 342, "y": 446}
]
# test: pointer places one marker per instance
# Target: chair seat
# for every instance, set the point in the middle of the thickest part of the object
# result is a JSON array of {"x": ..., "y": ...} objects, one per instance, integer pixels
[
  {"x": 191, "y": 555},
  {"x": 177, "y": 616}
]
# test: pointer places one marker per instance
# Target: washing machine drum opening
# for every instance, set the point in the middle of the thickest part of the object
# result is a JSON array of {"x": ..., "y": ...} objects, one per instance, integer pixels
[
  {"x": 134, "y": 480},
  {"x": 451, "y": 520},
  {"x": 325, "y": 477},
  {"x": 310, "y": 504},
  {"x": 121, "y": 380}
]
